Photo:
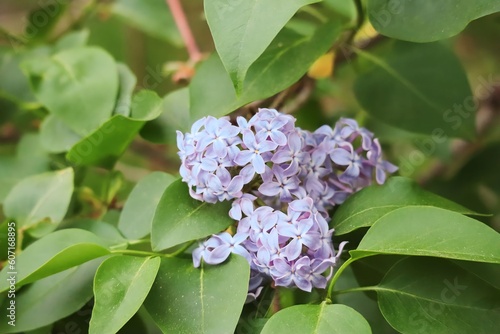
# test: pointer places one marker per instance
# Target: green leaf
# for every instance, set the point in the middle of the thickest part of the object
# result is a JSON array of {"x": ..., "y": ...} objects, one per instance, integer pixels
[
  {"x": 53, "y": 253},
  {"x": 435, "y": 296},
  {"x": 320, "y": 319},
  {"x": 189, "y": 300},
  {"x": 107, "y": 232},
  {"x": 56, "y": 136},
  {"x": 78, "y": 85},
  {"x": 127, "y": 86},
  {"x": 242, "y": 30},
  {"x": 430, "y": 231},
  {"x": 426, "y": 20},
  {"x": 75, "y": 39},
  {"x": 365, "y": 207},
  {"x": 404, "y": 88},
  {"x": 364, "y": 303},
  {"x": 106, "y": 144},
  {"x": 137, "y": 215},
  {"x": 14, "y": 85},
  {"x": 40, "y": 198},
  {"x": 285, "y": 61},
  {"x": 346, "y": 9},
  {"x": 152, "y": 17},
  {"x": 52, "y": 298},
  {"x": 121, "y": 285},
  {"x": 30, "y": 159},
  {"x": 180, "y": 218},
  {"x": 175, "y": 116}
]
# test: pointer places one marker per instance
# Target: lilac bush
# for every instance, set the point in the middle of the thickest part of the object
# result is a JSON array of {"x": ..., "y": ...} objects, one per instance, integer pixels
[{"x": 282, "y": 182}]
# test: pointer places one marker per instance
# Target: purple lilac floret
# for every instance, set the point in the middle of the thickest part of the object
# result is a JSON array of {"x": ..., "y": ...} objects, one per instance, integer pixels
[{"x": 282, "y": 182}]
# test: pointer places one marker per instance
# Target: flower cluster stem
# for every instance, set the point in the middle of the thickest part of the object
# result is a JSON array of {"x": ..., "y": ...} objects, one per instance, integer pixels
[
  {"x": 185, "y": 30},
  {"x": 336, "y": 277}
]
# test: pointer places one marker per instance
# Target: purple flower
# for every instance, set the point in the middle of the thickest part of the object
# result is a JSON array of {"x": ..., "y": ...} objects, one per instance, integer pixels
[
  {"x": 217, "y": 132},
  {"x": 272, "y": 131},
  {"x": 301, "y": 235},
  {"x": 381, "y": 166},
  {"x": 244, "y": 204},
  {"x": 204, "y": 249},
  {"x": 283, "y": 186},
  {"x": 253, "y": 153},
  {"x": 346, "y": 156},
  {"x": 286, "y": 273},
  {"x": 227, "y": 244},
  {"x": 267, "y": 166},
  {"x": 221, "y": 187}
]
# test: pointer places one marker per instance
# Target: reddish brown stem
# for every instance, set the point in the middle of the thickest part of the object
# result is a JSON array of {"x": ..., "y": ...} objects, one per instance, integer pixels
[{"x": 183, "y": 26}]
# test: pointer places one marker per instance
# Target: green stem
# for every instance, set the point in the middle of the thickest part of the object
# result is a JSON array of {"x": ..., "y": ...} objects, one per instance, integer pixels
[
  {"x": 144, "y": 253},
  {"x": 135, "y": 252},
  {"x": 180, "y": 250},
  {"x": 314, "y": 13},
  {"x": 358, "y": 289},
  {"x": 336, "y": 277}
]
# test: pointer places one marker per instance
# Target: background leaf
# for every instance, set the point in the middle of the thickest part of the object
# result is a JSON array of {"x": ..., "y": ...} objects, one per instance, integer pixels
[
  {"x": 137, "y": 215},
  {"x": 29, "y": 159},
  {"x": 56, "y": 136},
  {"x": 435, "y": 296},
  {"x": 242, "y": 30},
  {"x": 56, "y": 252},
  {"x": 319, "y": 319},
  {"x": 404, "y": 88},
  {"x": 180, "y": 218},
  {"x": 78, "y": 85},
  {"x": 121, "y": 285},
  {"x": 430, "y": 231},
  {"x": 152, "y": 17},
  {"x": 52, "y": 298},
  {"x": 365, "y": 207},
  {"x": 106, "y": 144},
  {"x": 209, "y": 299},
  {"x": 426, "y": 20},
  {"x": 40, "y": 198},
  {"x": 285, "y": 61}
]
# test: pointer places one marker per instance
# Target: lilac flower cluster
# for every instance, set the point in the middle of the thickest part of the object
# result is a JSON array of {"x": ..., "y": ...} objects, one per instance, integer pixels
[{"x": 282, "y": 182}]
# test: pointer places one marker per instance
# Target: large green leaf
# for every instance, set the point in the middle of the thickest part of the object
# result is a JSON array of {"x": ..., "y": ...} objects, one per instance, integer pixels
[
  {"x": 404, "y": 88},
  {"x": 52, "y": 298},
  {"x": 40, "y": 198},
  {"x": 137, "y": 215},
  {"x": 56, "y": 252},
  {"x": 424, "y": 295},
  {"x": 30, "y": 159},
  {"x": 320, "y": 319},
  {"x": 56, "y": 136},
  {"x": 152, "y": 17},
  {"x": 426, "y": 20},
  {"x": 121, "y": 285},
  {"x": 107, "y": 232},
  {"x": 284, "y": 62},
  {"x": 78, "y": 85},
  {"x": 209, "y": 299},
  {"x": 180, "y": 218},
  {"x": 106, "y": 144},
  {"x": 74, "y": 39},
  {"x": 431, "y": 231},
  {"x": 242, "y": 30},
  {"x": 364, "y": 303},
  {"x": 370, "y": 204}
]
